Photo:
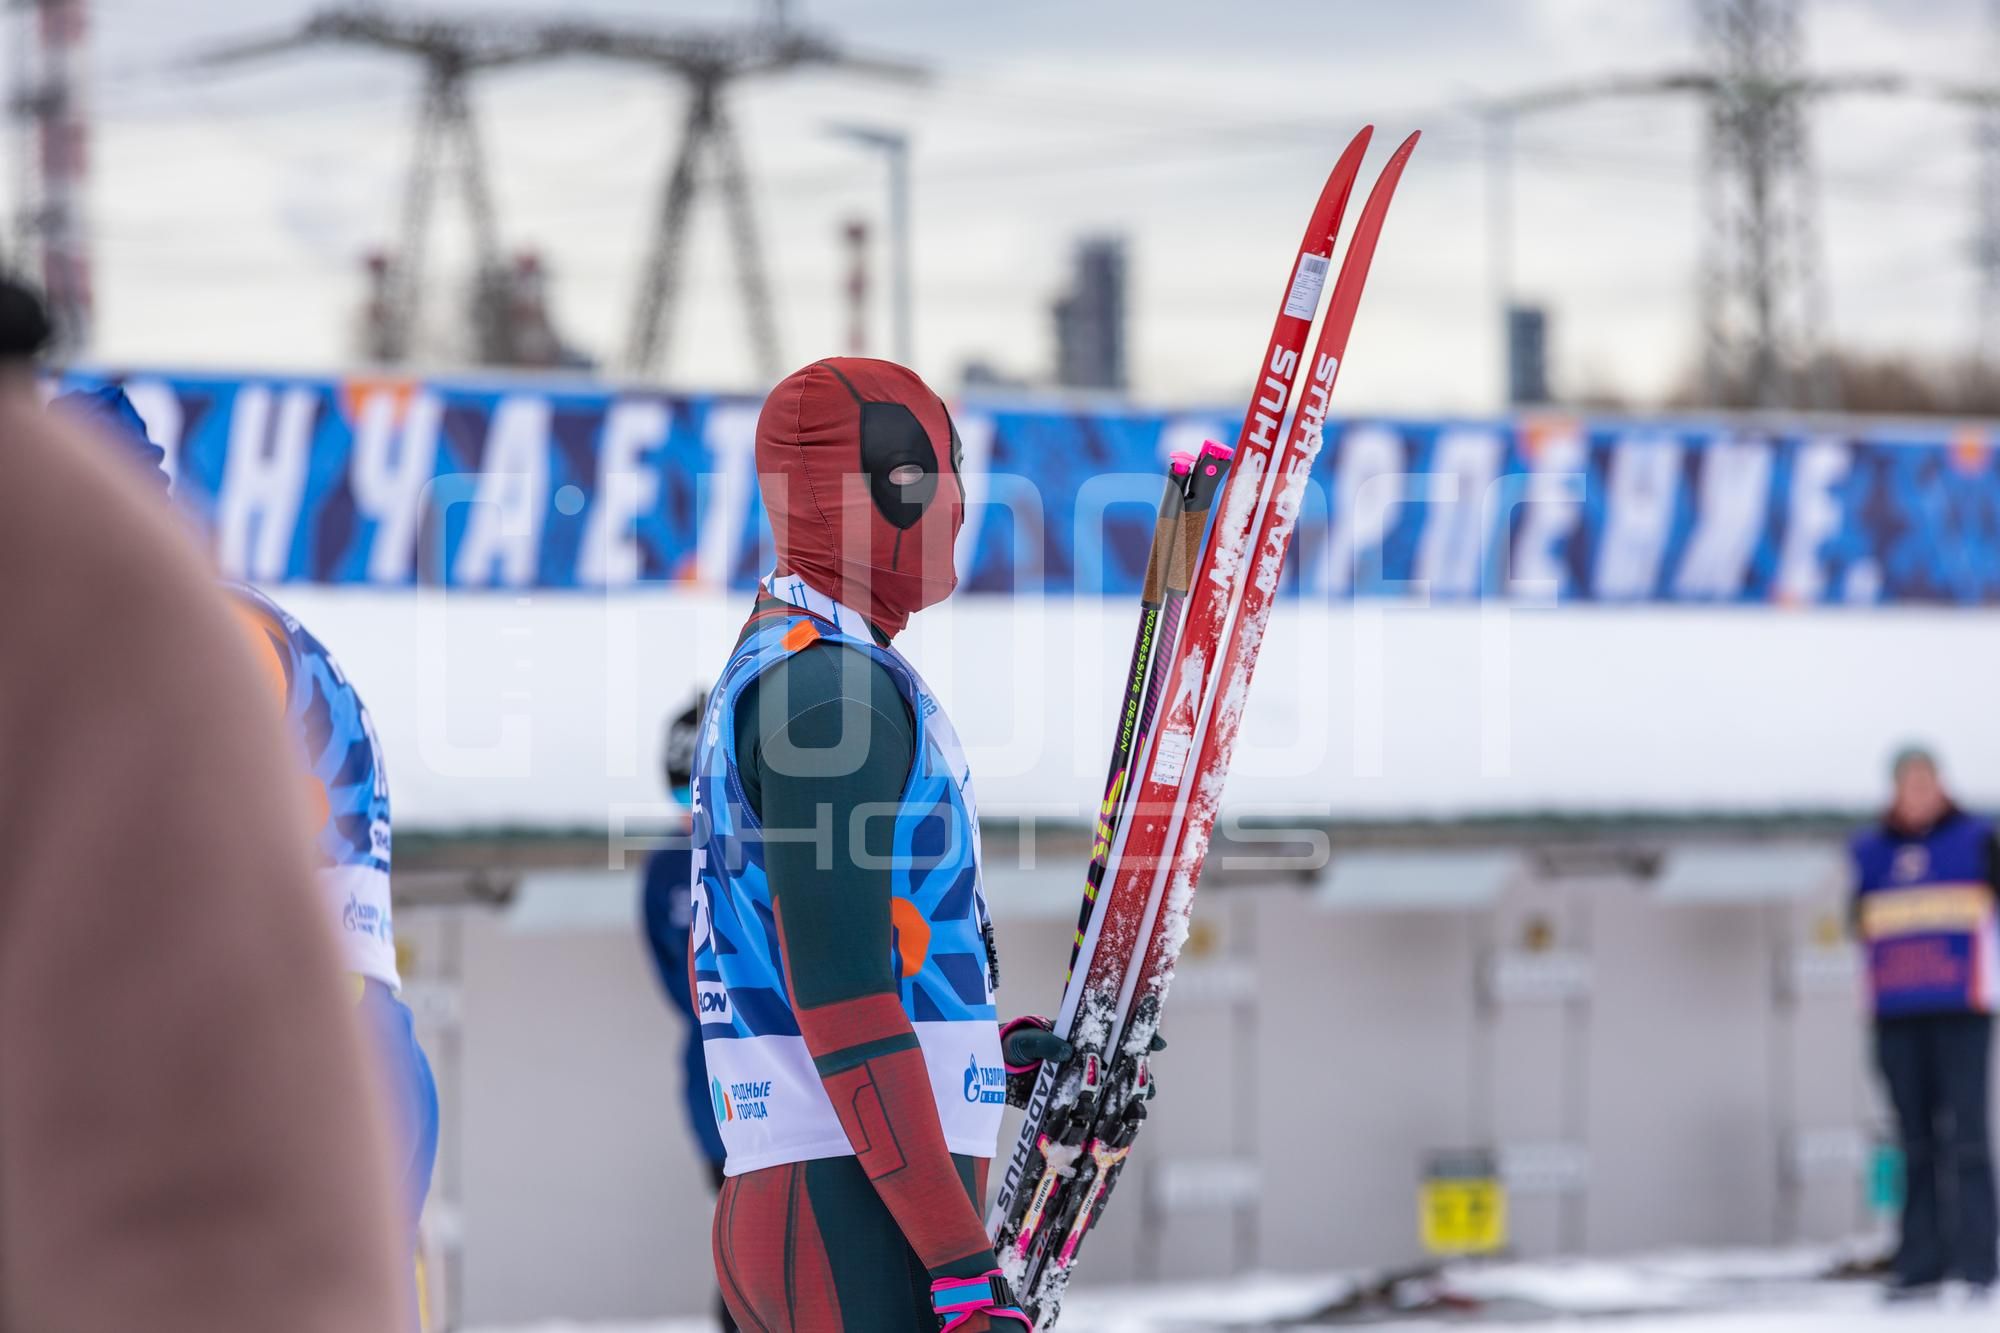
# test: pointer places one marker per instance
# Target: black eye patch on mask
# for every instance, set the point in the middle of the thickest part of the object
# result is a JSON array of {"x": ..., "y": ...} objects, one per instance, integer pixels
[
  {"x": 896, "y": 454},
  {"x": 897, "y": 457}
]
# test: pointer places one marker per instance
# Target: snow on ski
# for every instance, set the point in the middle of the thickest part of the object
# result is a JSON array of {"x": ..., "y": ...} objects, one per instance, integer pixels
[
  {"x": 1051, "y": 1138},
  {"x": 1158, "y": 856}
]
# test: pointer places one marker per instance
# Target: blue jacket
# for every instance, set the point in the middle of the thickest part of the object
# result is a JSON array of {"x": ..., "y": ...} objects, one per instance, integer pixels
[
  {"x": 668, "y": 912},
  {"x": 1925, "y": 908}
]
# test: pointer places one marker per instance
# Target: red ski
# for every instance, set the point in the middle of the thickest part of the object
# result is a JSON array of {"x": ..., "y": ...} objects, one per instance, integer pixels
[
  {"x": 1211, "y": 734},
  {"x": 1085, "y": 1115},
  {"x": 1275, "y": 373}
]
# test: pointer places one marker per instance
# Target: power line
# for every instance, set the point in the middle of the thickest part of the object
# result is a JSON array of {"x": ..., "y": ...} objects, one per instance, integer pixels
[
  {"x": 1157, "y": 148},
  {"x": 447, "y": 142},
  {"x": 709, "y": 63},
  {"x": 1759, "y": 288}
]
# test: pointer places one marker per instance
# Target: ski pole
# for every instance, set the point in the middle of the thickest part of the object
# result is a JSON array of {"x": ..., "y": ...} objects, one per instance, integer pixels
[
  {"x": 1125, "y": 743},
  {"x": 1192, "y": 482}
]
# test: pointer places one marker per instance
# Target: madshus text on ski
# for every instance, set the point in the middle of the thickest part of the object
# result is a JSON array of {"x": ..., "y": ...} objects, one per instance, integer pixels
[{"x": 841, "y": 960}]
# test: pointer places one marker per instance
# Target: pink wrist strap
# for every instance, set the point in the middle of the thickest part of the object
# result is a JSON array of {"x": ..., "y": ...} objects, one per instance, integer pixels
[{"x": 957, "y": 1299}]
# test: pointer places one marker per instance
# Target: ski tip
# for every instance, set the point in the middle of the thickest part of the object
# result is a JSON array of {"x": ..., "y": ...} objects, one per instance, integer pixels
[
  {"x": 1181, "y": 463},
  {"x": 1357, "y": 148},
  {"x": 1393, "y": 169}
]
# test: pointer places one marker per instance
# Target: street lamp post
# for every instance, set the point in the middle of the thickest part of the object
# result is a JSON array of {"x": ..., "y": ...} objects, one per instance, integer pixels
[{"x": 894, "y": 145}]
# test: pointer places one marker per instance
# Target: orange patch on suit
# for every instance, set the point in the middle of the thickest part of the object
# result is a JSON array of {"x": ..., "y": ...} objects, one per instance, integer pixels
[
  {"x": 266, "y": 642},
  {"x": 802, "y": 635},
  {"x": 913, "y": 936},
  {"x": 267, "y": 645},
  {"x": 319, "y": 802}
]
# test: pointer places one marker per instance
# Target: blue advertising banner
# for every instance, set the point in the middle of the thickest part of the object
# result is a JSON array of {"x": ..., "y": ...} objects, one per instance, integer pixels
[{"x": 516, "y": 484}]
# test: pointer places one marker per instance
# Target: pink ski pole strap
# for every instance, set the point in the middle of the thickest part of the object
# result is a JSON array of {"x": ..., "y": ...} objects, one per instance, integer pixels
[
  {"x": 1014, "y": 1025},
  {"x": 957, "y": 1299}
]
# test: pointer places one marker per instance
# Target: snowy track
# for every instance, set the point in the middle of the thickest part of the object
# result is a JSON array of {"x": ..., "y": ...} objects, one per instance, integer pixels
[{"x": 1735, "y": 1292}]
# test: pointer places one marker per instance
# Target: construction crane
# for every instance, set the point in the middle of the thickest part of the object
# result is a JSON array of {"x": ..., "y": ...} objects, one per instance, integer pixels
[
  {"x": 447, "y": 142},
  {"x": 708, "y": 62}
]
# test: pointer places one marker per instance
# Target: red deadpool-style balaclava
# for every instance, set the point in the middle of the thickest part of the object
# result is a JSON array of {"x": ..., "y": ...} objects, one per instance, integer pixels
[{"x": 858, "y": 463}]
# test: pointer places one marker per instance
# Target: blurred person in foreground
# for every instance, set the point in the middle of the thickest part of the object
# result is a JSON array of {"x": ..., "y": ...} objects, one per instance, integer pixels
[
  {"x": 666, "y": 911},
  {"x": 1925, "y": 900},
  {"x": 186, "y": 1140},
  {"x": 346, "y": 789}
]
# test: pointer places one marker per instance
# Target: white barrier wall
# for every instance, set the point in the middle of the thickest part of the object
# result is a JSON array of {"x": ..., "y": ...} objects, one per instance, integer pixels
[
  {"x": 1655, "y": 1065},
  {"x": 545, "y": 710}
]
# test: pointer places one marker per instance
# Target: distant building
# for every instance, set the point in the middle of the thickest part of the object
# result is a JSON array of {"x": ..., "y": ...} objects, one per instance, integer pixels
[
  {"x": 511, "y": 322},
  {"x": 1090, "y": 318},
  {"x": 1527, "y": 355},
  {"x": 379, "y": 343},
  {"x": 507, "y": 314},
  {"x": 981, "y": 375}
]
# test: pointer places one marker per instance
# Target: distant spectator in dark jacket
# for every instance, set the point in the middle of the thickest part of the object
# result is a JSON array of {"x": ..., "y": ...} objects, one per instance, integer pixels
[{"x": 1925, "y": 906}]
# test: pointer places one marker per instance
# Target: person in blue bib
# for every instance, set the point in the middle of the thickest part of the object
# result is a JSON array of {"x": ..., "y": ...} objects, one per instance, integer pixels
[
  {"x": 346, "y": 781},
  {"x": 666, "y": 910},
  {"x": 843, "y": 965},
  {"x": 1925, "y": 909}
]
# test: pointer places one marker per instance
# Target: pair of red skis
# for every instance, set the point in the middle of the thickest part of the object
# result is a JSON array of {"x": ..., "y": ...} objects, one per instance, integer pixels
[{"x": 1183, "y": 705}]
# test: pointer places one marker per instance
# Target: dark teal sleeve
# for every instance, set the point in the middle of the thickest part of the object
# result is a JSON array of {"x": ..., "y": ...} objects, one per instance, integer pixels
[{"x": 824, "y": 744}]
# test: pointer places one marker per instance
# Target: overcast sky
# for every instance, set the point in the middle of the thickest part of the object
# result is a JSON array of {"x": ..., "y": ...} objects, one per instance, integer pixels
[{"x": 231, "y": 210}]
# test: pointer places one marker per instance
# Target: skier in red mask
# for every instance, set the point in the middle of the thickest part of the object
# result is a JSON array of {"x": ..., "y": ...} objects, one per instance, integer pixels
[{"x": 841, "y": 951}]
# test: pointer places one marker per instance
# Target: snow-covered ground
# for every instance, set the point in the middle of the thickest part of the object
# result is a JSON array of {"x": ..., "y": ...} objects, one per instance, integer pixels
[{"x": 1748, "y": 1292}]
